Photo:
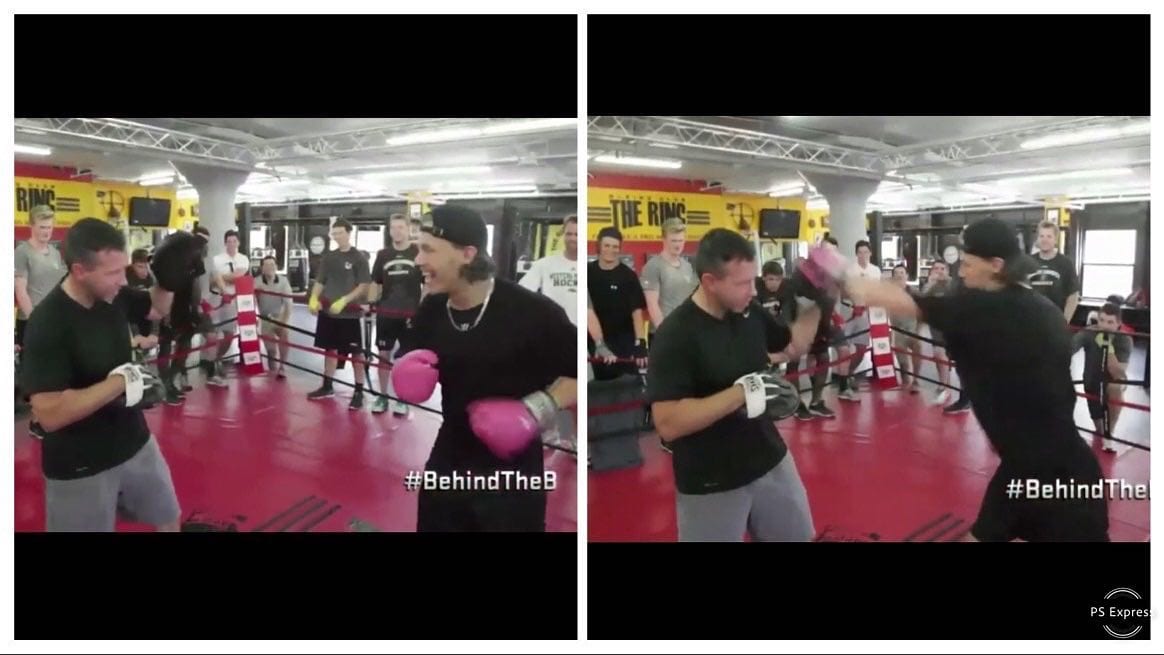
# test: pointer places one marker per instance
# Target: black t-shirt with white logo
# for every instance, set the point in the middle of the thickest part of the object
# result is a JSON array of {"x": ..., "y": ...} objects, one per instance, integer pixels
[
  {"x": 68, "y": 346},
  {"x": 769, "y": 300},
  {"x": 695, "y": 355},
  {"x": 523, "y": 342},
  {"x": 615, "y": 294},
  {"x": 1014, "y": 351},
  {"x": 1055, "y": 278},
  {"x": 397, "y": 272}
]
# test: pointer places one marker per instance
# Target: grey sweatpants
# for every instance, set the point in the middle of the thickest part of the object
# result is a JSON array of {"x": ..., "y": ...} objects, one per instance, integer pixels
[
  {"x": 141, "y": 489},
  {"x": 773, "y": 507}
]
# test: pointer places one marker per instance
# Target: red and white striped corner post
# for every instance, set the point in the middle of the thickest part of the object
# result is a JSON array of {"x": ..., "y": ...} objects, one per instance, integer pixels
[
  {"x": 250, "y": 354},
  {"x": 881, "y": 342}
]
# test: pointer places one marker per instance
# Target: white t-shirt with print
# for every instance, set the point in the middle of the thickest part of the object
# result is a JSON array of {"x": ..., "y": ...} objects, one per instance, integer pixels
[{"x": 556, "y": 278}]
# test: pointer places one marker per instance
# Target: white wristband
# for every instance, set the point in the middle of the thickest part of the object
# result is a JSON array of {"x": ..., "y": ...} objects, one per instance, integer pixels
[{"x": 755, "y": 396}]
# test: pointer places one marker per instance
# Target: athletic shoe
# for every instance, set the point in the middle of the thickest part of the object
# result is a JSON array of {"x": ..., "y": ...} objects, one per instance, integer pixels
[
  {"x": 379, "y": 405},
  {"x": 960, "y": 406},
  {"x": 170, "y": 396},
  {"x": 321, "y": 393},
  {"x": 1109, "y": 446},
  {"x": 819, "y": 409},
  {"x": 802, "y": 413},
  {"x": 357, "y": 401},
  {"x": 280, "y": 374},
  {"x": 850, "y": 395},
  {"x": 183, "y": 382},
  {"x": 399, "y": 409}
]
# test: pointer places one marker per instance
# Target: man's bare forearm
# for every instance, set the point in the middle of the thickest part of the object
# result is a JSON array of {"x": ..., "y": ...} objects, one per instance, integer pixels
[
  {"x": 879, "y": 293},
  {"x": 675, "y": 419},
  {"x": 1070, "y": 306},
  {"x": 640, "y": 324},
  {"x": 564, "y": 392},
  {"x": 58, "y": 409}
]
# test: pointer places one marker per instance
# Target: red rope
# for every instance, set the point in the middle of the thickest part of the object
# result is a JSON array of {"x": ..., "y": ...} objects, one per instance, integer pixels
[{"x": 347, "y": 358}]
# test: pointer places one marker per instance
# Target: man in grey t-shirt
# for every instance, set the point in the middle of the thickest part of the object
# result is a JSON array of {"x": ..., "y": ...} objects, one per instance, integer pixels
[
  {"x": 39, "y": 266},
  {"x": 668, "y": 279},
  {"x": 340, "y": 288}
]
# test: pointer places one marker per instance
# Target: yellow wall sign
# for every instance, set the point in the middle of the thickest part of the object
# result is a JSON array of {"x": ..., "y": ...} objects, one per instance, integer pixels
[
  {"x": 639, "y": 214},
  {"x": 72, "y": 201}
]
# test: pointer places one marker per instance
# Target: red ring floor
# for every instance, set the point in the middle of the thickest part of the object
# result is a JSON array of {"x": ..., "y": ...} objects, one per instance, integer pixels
[
  {"x": 889, "y": 468},
  {"x": 246, "y": 453}
]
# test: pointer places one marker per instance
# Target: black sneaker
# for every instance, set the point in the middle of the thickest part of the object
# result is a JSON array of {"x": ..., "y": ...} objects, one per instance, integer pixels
[
  {"x": 960, "y": 406},
  {"x": 819, "y": 409},
  {"x": 321, "y": 393},
  {"x": 802, "y": 413},
  {"x": 357, "y": 401},
  {"x": 666, "y": 447},
  {"x": 173, "y": 397},
  {"x": 36, "y": 430}
]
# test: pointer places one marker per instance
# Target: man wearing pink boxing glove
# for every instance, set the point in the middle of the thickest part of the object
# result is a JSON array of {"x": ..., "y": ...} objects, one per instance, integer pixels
[
  {"x": 506, "y": 361},
  {"x": 1014, "y": 359}
]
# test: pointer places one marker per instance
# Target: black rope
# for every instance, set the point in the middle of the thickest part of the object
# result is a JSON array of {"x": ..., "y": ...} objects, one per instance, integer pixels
[
  {"x": 353, "y": 386},
  {"x": 932, "y": 342},
  {"x": 1133, "y": 444},
  {"x": 922, "y": 377},
  {"x": 287, "y": 325}
]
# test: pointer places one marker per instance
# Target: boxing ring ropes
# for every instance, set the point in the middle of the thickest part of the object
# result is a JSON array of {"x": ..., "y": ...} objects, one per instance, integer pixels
[
  {"x": 248, "y": 338},
  {"x": 886, "y": 371}
]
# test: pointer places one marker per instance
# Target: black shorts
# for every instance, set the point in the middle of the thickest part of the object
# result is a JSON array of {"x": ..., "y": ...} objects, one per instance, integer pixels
[
  {"x": 827, "y": 337},
  {"x": 21, "y": 325},
  {"x": 389, "y": 331},
  {"x": 1002, "y": 518},
  {"x": 342, "y": 335},
  {"x": 481, "y": 511},
  {"x": 1094, "y": 407}
]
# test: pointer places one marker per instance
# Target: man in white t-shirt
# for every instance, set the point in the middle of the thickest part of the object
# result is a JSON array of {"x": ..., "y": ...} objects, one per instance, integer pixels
[
  {"x": 556, "y": 276},
  {"x": 858, "y": 321},
  {"x": 228, "y": 267}
]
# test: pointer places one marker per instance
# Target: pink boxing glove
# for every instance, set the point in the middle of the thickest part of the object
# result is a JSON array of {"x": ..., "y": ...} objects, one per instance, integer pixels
[
  {"x": 824, "y": 267},
  {"x": 508, "y": 426},
  {"x": 415, "y": 375}
]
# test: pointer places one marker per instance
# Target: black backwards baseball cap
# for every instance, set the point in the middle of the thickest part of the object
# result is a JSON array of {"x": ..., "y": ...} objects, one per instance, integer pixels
[
  {"x": 458, "y": 225},
  {"x": 992, "y": 237}
]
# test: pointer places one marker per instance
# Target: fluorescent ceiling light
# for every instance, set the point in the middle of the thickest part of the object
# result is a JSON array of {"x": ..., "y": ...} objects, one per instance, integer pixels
[
  {"x": 818, "y": 204},
  {"x": 639, "y": 162},
  {"x": 187, "y": 193},
  {"x": 40, "y": 151},
  {"x": 435, "y": 136},
  {"x": 1072, "y": 175},
  {"x": 459, "y": 133},
  {"x": 156, "y": 181},
  {"x": 786, "y": 190},
  {"x": 668, "y": 146},
  {"x": 446, "y": 170},
  {"x": 1086, "y": 136},
  {"x": 533, "y": 125},
  {"x": 517, "y": 188}
]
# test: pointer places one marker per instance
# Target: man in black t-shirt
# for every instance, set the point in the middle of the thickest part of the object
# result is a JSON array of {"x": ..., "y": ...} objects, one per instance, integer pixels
[
  {"x": 506, "y": 360},
  {"x": 397, "y": 286},
  {"x": 733, "y": 473},
  {"x": 137, "y": 276},
  {"x": 768, "y": 286},
  {"x": 828, "y": 335},
  {"x": 1055, "y": 278},
  {"x": 99, "y": 458},
  {"x": 1014, "y": 357},
  {"x": 342, "y": 283},
  {"x": 617, "y": 299},
  {"x": 1105, "y": 364}
]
